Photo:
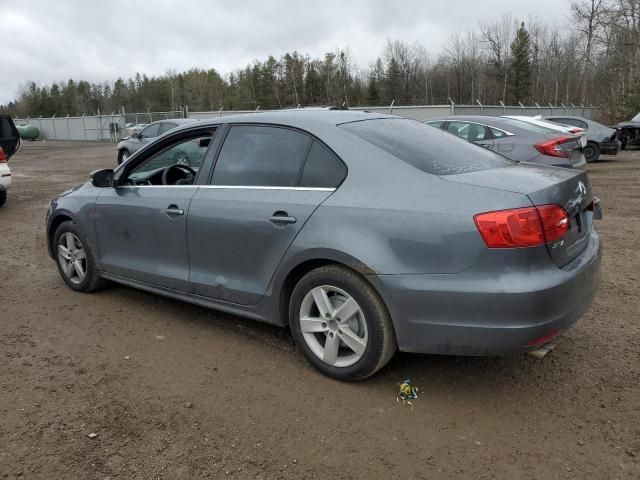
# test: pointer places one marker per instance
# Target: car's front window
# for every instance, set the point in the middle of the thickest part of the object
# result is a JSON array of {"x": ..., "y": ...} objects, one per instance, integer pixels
[{"x": 188, "y": 152}]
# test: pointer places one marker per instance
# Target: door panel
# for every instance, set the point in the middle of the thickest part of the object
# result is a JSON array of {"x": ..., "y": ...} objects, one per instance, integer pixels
[
  {"x": 235, "y": 244},
  {"x": 142, "y": 234}
]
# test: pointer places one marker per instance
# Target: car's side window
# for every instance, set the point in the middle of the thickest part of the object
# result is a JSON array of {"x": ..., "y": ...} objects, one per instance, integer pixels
[
  {"x": 261, "y": 156},
  {"x": 436, "y": 123},
  {"x": 165, "y": 127},
  {"x": 151, "y": 131},
  {"x": 460, "y": 129},
  {"x": 497, "y": 133},
  {"x": 189, "y": 152},
  {"x": 323, "y": 169},
  {"x": 574, "y": 122}
]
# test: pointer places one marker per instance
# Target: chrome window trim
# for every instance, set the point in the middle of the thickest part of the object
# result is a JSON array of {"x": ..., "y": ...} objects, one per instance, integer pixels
[{"x": 239, "y": 187}]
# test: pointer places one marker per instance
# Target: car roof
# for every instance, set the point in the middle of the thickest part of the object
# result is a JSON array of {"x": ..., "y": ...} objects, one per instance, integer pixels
[
  {"x": 177, "y": 121},
  {"x": 305, "y": 119}
]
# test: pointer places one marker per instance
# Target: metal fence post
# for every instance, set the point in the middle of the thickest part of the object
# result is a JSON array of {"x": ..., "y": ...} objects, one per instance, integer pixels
[
  {"x": 536, "y": 104},
  {"x": 53, "y": 122},
  {"x": 502, "y": 105},
  {"x": 84, "y": 128},
  {"x": 478, "y": 101},
  {"x": 68, "y": 130},
  {"x": 391, "y": 106},
  {"x": 186, "y": 111},
  {"x": 521, "y": 107},
  {"x": 40, "y": 122},
  {"x": 452, "y": 106},
  {"x": 220, "y": 111}
]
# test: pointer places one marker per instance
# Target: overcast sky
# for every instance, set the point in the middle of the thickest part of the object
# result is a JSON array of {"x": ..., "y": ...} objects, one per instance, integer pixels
[{"x": 49, "y": 40}]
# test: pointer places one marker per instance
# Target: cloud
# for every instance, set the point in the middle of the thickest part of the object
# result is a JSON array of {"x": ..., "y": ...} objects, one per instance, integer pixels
[{"x": 53, "y": 41}]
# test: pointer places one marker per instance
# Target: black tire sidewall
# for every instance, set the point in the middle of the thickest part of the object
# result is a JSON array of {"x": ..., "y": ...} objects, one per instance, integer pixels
[
  {"x": 3, "y": 196},
  {"x": 90, "y": 278},
  {"x": 369, "y": 362},
  {"x": 596, "y": 152}
]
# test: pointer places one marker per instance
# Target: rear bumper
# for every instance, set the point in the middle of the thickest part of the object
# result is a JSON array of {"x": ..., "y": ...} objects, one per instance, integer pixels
[
  {"x": 483, "y": 311},
  {"x": 610, "y": 148}
]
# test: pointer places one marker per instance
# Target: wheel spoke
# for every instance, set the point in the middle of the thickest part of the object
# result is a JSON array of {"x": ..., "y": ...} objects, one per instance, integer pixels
[
  {"x": 312, "y": 325},
  {"x": 77, "y": 265},
  {"x": 347, "y": 310},
  {"x": 64, "y": 252},
  {"x": 351, "y": 340},
  {"x": 322, "y": 302},
  {"x": 331, "y": 345},
  {"x": 71, "y": 243},
  {"x": 80, "y": 255},
  {"x": 68, "y": 269}
]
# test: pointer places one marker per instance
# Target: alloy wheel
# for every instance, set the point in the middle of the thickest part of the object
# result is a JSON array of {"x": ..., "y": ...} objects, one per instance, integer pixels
[
  {"x": 333, "y": 326},
  {"x": 72, "y": 258}
]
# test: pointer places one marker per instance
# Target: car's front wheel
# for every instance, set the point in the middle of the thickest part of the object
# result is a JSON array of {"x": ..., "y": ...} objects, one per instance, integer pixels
[
  {"x": 75, "y": 259},
  {"x": 341, "y": 324},
  {"x": 123, "y": 155}
]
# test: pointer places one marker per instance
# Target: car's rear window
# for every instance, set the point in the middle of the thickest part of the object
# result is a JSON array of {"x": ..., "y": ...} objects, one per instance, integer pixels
[
  {"x": 430, "y": 149},
  {"x": 524, "y": 125}
]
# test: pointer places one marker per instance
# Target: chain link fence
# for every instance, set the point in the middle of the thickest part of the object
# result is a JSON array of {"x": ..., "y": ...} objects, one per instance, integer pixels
[{"x": 114, "y": 127}]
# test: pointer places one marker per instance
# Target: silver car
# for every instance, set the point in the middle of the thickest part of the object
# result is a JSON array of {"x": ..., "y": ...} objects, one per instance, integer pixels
[
  {"x": 137, "y": 140},
  {"x": 516, "y": 139},
  {"x": 364, "y": 233}
]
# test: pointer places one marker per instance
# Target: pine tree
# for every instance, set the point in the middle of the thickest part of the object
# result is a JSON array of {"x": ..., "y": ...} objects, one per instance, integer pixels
[{"x": 520, "y": 79}]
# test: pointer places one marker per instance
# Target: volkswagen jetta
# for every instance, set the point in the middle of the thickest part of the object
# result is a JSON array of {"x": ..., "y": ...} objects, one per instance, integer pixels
[{"x": 364, "y": 233}]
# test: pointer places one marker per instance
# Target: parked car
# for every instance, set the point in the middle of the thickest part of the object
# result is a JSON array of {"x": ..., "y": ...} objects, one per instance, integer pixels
[
  {"x": 555, "y": 126},
  {"x": 128, "y": 146},
  {"x": 364, "y": 233},
  {"x": 600, "y": 138},
  {"x": 629, "y": 132},
  {"x": 9, "y": 145},
  {"x": 517, "y": 140}
]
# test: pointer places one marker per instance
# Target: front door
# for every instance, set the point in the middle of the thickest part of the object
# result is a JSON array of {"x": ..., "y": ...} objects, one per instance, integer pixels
[
  {"x": 241, "y": 225},
  {"x": 141, "y": 224}
]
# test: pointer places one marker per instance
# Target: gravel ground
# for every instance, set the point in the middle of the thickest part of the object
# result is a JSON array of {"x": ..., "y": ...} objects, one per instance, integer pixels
[{"x": 124, "y": 384}]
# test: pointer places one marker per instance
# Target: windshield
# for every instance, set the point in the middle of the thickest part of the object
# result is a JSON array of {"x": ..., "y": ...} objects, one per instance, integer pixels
[{"x": 430, "y": 149}]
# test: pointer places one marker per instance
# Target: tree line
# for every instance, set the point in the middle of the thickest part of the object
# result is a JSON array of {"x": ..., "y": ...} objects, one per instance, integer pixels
[{"x": 593, "y": 58}]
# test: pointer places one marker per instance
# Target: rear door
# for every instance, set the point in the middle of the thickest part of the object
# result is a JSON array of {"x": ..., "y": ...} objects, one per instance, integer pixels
[
  {"x": 9, "y": 136},
  {"x": 267, "y": 181}
]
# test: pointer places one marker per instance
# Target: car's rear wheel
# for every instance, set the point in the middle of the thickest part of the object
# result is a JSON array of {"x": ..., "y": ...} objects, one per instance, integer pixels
[
  {"x": 75, "y": 259},
  {"x": 123, "y": 155},
  {"x": 341, "y": 324},
  {"x": 3, "y": 196},
  {"x": 591, "y": 152}
]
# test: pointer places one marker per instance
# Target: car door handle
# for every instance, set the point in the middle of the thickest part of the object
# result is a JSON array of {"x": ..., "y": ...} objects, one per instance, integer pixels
[
  {"x": 282, "y": 218},
  {"x": 174, "y": 211}
]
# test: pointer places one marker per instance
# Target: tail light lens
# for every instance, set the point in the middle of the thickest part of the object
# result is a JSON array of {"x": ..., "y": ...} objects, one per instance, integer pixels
[
  {"x": 575, "y": 130},
  {"x": 522, "y": 227},
  {"x": 3, "y": 157},
  {"x": 553, "y": 147}
]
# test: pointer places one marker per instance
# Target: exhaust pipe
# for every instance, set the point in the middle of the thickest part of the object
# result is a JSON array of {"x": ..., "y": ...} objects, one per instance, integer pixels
[{"x": 541, "y": 351}]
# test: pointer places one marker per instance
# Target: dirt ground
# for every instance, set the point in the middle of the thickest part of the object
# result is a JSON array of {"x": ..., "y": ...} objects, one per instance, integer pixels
[{"x": 177, "y": 391}]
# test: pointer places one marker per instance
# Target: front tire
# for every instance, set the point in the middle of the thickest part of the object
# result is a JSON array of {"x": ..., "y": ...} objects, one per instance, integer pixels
[
  {"x": 123, "y": 155},
  {"x": 591, "y": 152},
  {"x": 75, "y": 259},
  {"x": 3, "y": 196},
  {"x": 341, "y": 324}
]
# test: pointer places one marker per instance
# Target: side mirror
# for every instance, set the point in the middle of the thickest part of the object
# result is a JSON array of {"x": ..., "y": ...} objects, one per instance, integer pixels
[
  {"x": 135, "y": 135},
  {"x": 102, "y": 178}
]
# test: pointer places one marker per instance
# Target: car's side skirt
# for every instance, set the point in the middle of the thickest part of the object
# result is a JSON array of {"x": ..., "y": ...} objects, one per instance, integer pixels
[{"x": 252, "y": 312}]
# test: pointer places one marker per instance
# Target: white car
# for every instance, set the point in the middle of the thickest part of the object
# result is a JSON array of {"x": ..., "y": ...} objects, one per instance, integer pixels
[
  {"x": 553, "y": 126},
  {"x": 5, "y": 177}
]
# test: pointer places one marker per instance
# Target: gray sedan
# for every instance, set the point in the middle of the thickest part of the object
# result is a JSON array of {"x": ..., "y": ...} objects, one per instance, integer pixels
[
  {"x": 136, "y": 141},
  {"x": 364, "y": 233},
  {"x": 600, "y": 138},
  {"x": 517, "y": 140}
]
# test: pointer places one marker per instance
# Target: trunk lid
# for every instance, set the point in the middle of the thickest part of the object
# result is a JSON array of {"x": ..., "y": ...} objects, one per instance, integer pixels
[{"x": 568, "y": 188}]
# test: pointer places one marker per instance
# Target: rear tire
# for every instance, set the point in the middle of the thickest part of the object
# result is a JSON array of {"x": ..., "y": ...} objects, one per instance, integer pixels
[
  {"x": 351, "y": 348},
  {"x": 3, "y": 197},
  {"x": 75, "y": 260},
  {"x": 591, "y": 152}
]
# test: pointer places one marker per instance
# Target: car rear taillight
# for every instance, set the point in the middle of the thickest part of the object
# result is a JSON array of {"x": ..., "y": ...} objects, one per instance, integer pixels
[
  {"x": 3, "y": 157},
  {"x": 553, "y": 147},
  {"x": 522, "y": 227},
  {"x": 575, "y": 130}
]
